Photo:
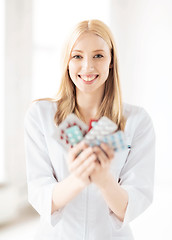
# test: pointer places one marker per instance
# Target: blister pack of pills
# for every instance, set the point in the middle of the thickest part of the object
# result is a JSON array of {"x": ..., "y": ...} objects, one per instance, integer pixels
[{"x": 72, "y": 130}]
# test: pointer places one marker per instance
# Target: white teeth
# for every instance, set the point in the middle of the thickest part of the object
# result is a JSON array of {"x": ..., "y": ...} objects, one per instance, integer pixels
[{"x": 88, "y": 78}]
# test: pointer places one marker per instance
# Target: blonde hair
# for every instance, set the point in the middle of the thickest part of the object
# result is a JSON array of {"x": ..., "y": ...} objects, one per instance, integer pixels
[{"x": 111, "y": 105}]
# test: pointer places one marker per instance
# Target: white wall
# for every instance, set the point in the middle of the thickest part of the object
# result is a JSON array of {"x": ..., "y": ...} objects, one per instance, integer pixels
[
  {"x": 52, "y": 22},
  {"x": 18, "y": 62},
  {"x": 2, "y": 59},
  {"x": 143, "y": 33},
  {"x": 15, "y": 80}
]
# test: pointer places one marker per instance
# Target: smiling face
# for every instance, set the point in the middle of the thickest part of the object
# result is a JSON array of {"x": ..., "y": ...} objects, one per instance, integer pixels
[{"x": 89, "y": 63}]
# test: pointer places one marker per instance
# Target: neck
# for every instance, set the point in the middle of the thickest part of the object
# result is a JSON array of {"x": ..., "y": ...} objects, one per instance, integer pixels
[{"x": 88, "y": 105}]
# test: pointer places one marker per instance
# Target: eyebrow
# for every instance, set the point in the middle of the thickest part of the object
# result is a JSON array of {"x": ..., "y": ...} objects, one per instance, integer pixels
[{"x": 97, "y": 50}]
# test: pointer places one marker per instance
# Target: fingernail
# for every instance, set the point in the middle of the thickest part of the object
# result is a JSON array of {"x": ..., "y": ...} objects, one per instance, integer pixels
[{"x": 85, "y": 144}]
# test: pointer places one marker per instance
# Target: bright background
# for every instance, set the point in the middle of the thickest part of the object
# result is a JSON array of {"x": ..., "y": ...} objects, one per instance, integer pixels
[{"x": 32, "y": 34}]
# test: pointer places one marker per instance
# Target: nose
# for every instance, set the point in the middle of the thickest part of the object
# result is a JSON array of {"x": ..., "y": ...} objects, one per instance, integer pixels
[{"x": 87, "y": 64}]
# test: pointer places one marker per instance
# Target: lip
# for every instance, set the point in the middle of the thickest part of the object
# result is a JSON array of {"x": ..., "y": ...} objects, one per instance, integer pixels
[{"x": 89, "y": 75}]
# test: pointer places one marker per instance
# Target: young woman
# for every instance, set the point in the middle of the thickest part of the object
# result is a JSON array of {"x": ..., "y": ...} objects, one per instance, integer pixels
[{"x": 77, "y": 196}]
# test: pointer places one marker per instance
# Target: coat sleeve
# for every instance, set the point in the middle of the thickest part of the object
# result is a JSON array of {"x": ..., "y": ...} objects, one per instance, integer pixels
[
  {"x": 137, "y": 175},
  {"x": 40, "y": 177}
]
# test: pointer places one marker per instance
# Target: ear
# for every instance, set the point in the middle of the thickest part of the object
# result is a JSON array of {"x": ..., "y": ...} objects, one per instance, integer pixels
[{"x": 110, "y": 65}]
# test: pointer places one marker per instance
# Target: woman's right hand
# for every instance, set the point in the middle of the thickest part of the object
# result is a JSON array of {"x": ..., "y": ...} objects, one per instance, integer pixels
[{"x": 81, "y": 163}]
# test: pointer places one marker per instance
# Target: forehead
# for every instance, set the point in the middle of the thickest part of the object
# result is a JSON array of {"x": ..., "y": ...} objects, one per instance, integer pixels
[{"x": 91, "y": 42}]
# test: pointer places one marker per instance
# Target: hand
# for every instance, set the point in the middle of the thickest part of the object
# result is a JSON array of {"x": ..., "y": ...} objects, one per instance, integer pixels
[
  {"x": 81, "y": 162},
  {"x": 104, "y": 154}
]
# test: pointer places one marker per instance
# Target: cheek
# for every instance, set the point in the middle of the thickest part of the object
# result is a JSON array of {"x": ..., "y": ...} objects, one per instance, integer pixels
[
  {"x": 104, "y": 65},
  {"x": 72, "y": 69},
  {"x": 104, "y": 69},
  {"x": 73, "y": 63}
]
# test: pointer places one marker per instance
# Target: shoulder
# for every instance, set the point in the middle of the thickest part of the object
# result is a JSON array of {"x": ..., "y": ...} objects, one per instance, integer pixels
[
  {"x": 41, "y": 110},
  {"x": 42, "y": 106},
  {"x": 132, "y": 112},
  {"x": 137, "y": 119}
]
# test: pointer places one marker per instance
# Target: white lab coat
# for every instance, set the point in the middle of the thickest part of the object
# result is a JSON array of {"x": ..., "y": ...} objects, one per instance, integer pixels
[{"x": 87, "y": 216}]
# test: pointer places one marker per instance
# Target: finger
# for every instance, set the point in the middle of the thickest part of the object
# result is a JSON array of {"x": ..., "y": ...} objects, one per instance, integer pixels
[
  {"x": 74, "y": 152},
  {"x": 102, "y": 157},
  {"x": 108, "y": 150},
  {"x": 89, "y": 170},
  {"x": 83, "y": 169},
  {"x": 81, "y": 158}
]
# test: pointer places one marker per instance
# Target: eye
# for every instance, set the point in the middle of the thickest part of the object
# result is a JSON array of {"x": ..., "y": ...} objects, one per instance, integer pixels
[
  {"x": 77, "y": 57},
  {"x": 98, "y": 56}
]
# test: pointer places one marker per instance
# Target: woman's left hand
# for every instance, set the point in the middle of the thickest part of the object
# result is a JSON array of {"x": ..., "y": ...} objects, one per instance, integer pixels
[{"x": 105, "y": 154}]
